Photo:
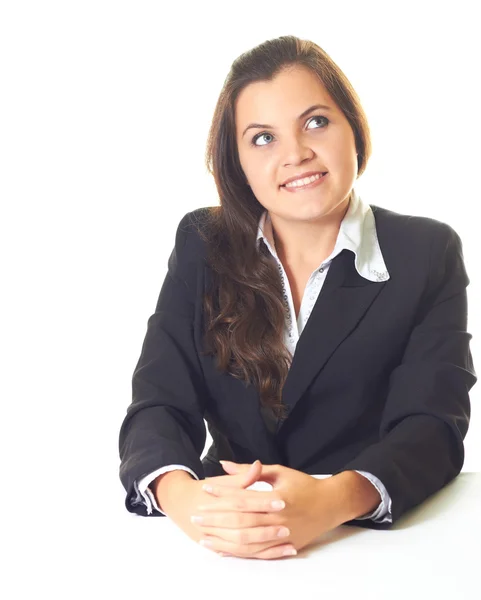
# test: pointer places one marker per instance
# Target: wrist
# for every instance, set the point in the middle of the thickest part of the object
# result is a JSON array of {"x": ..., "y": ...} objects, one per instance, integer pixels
[
  {"x": 165, "y": 486},
  {"x": 357, "y": 495}
]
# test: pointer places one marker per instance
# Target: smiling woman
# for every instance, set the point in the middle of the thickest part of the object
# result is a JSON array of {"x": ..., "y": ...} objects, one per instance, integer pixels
[
  {"x": 320, "y": 144},
  {"x": 287, "y": 112},
  {"x": 322, "y": 335}
]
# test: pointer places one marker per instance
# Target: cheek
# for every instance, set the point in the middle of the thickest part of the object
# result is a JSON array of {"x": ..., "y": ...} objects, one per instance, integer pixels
[
  {"x": 262, "y": 176},
  {"x": 342, "y": 156}
]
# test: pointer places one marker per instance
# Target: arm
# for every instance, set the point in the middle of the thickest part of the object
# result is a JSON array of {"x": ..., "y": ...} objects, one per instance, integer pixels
[
  {"x": 426, "y": 415},
  {"x": 145, "y": 488},
  {"x": 164, "y": 424},
  {"x": 382, "y": 512}
]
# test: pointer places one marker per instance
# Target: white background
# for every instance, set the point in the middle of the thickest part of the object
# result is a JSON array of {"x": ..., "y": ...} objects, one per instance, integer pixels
[{"x": 105, "y": 109}]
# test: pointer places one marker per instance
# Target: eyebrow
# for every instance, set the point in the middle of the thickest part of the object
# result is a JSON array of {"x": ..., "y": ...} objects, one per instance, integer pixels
[{"x": 306, "y": 112}]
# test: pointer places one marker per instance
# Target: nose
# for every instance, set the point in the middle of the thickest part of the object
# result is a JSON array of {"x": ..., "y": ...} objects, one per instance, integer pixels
[{"x": 296, "y": 151}]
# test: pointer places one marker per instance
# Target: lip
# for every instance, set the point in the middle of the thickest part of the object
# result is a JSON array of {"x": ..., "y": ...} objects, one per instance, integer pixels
[
  {"x": 301, "y": 176},
  {"x": 309, "y": 186}
]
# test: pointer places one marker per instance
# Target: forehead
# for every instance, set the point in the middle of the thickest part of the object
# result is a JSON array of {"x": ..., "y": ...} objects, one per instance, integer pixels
[{"x": 281, "y": 99}]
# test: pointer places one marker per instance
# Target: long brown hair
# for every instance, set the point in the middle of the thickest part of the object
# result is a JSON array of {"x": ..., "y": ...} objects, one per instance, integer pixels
[{"x": 243, "y": 310}]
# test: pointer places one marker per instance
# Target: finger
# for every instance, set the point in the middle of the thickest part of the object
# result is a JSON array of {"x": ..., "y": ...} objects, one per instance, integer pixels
[
  {"x": 210, "y": 489},
  {"x": 271, "y": 553},
  {"x": 226, "y": 491},
  {"x": 237, "y": 468},
  {"x": 238, "y": 520},
  {"x": 245, "y": 476},
  {"x": 269, "y": 473},
  {"x": 282, "y": 551},
  {"x": 251, "y": 475},
  {"x": 246, "y": 550},
  {"x": 227, "y": 486},
  {"x": 251, "y": 535},
  {"x": 234, "y": 468},
  {"x": 230, "y": 467},
  {"x": 266, "y": 473},
  {"x": 260, "y": 502}
]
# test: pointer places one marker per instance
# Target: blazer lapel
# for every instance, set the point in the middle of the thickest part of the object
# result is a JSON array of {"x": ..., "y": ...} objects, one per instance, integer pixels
[{"x": 343, "y": 301}]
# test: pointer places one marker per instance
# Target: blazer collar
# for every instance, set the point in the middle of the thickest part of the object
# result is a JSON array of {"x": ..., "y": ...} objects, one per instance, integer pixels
[
  {"x": 349, "y": 290},
  {"x": 357, "y": 233},
  {"x": 343, "y": 302}
]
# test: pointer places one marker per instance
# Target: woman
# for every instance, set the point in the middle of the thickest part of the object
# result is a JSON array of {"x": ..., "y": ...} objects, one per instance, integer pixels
[{"x": 321, "y": 335}]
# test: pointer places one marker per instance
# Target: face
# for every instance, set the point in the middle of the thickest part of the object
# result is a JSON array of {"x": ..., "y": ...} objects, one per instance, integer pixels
[{"x": 321, "y": 140}]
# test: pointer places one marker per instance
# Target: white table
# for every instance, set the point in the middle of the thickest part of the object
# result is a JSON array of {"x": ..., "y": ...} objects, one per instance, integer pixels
[{"x": 433, "y": 552}]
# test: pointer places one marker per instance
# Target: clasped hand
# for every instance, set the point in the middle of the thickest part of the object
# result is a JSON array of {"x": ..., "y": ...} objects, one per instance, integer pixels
[{"x": 255, "y": 524}]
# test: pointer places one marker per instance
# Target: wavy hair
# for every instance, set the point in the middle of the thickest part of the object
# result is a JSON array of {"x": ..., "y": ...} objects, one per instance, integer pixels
[{"x": 243, "y": 309}]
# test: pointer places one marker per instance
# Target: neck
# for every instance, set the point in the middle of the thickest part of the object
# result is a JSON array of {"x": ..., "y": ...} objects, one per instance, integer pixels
[{"x": 308, "y": 243}]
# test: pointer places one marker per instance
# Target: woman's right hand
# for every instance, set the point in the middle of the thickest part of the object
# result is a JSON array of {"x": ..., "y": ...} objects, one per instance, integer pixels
[{"x": 178, "y": 494}]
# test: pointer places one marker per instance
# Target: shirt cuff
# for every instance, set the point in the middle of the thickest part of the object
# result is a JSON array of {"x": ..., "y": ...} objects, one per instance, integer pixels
[
  {"x": 381, "y": 514},
  {"x": 145, "y": 494}
]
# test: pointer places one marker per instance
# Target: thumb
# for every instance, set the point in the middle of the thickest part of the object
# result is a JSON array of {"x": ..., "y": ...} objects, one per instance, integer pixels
[
  {"x": 243, "y": 475},
  {"x": 232, "y": 468}
]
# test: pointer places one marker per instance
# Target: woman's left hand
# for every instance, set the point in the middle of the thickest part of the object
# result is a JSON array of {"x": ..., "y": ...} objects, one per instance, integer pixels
[{"x": 312, "y": 506}]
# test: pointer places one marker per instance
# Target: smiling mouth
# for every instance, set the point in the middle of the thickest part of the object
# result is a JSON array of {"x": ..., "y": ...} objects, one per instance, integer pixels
[{"x": 304, "y": 184}]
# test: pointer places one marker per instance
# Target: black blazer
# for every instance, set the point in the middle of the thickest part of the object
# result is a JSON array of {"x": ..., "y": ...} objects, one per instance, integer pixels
[{"x": 379, "y": 381}]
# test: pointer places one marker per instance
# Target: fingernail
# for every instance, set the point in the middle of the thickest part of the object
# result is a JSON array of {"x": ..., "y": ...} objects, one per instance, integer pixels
[
  {"x": 278, "y": 504},
  {"x": 206, "y": 543},
  {"x": 207, "y": 488},
  {"x": 289, "y": 552},
  {"x": 196, "y": 519},
  {"x": 283, "y": 532}
]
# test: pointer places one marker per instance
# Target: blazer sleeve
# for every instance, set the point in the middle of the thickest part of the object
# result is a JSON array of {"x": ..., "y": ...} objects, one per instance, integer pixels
[
  {"x": 427, "y": 410},
  {"x": 164, "y": 424}
]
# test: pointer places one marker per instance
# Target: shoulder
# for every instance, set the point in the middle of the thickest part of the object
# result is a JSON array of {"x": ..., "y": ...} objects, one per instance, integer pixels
[
  {"x": 417, "y": 248},
  {"x": 197, "y": 219},
  {"x": 192, "y": 231},
  {"x": 396, "y": 222},
  {"x": 413, "y": 233}
]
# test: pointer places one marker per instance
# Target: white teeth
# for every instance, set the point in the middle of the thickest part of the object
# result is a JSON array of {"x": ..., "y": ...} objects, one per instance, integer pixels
[{"x": 301, "y": 182}]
